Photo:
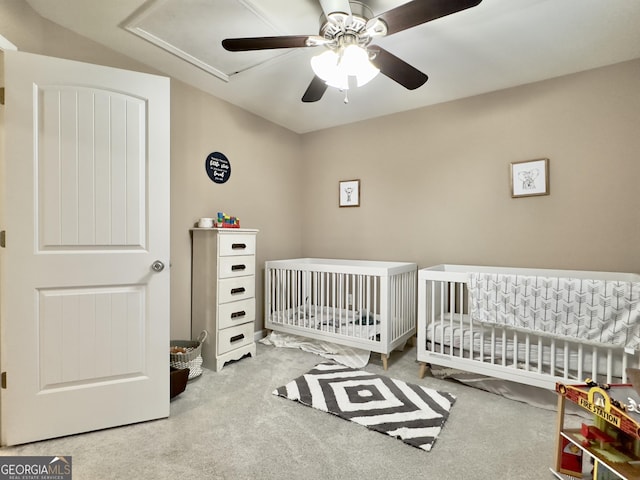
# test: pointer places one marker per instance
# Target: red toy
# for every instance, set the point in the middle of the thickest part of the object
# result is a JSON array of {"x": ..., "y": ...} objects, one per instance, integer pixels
[{"x": 591, "y": 433}]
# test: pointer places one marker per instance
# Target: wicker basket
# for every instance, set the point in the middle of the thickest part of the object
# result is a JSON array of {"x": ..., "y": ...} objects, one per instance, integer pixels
[{"x": 190, "y": 357}]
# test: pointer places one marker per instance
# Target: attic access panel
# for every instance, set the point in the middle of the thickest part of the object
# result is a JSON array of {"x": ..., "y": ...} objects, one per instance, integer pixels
[{"x": 194, "y": 29}]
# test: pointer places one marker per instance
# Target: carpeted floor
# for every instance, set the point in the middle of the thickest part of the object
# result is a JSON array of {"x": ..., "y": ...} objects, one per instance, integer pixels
[{"x": 228, "y": 425}]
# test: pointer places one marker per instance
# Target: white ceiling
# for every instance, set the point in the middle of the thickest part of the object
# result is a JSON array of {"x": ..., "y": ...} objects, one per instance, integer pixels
[{"x": 496, "y": 45}]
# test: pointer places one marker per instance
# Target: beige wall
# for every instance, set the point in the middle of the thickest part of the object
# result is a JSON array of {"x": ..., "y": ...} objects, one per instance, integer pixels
[
  {"x": 263, "y": 188},
  {"x": 435, "y": 183}
]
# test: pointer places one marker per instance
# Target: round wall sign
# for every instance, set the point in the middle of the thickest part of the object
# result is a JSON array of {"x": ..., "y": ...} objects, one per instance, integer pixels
[{"x": 218, "y": 167}]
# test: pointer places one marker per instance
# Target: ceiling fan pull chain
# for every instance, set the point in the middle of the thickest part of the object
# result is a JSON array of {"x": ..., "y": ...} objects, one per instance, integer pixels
[{"x": 346, "y": 97}]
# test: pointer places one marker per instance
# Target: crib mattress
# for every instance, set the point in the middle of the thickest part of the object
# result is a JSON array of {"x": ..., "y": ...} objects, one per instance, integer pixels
[{"x": 351, "y": 323}]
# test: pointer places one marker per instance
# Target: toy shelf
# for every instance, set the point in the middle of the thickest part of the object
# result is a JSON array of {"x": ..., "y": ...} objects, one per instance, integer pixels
[{"x": 608, "y": 449}]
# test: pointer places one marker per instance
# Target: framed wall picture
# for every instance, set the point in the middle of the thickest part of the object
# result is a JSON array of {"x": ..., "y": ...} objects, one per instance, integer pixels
[
  {"x": 349, "y": 193},
  {"x": 529, "y": 178}
]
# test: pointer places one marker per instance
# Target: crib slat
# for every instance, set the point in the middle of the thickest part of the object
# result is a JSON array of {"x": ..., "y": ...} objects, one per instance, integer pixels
[
  {"x": 461, "y": 324},
  {"x": 299, "y": 280},
  {"x": 464, "y": 307},
  {"x": 320, "y": 300},
  {"x": 395, "y": 284},
  {"x": 326, "y": 301},
  {"x": 451, "y": 300},
  {"x": 351, "y": 294},
  {"x": 334, "y": 283},
  {"x": 399, "y": 306},
  {"x": 294, "y": 296},
  {"x": 441, "y": 288},
  {"x": 287, "y": 297},
  {"x": 281, "y": 304},
  {"x": 361, "y": 292},
  {"x": 301, "y": 301},
  {"x": 580, "y": 363},
  {"x": 267, "y": 295},
  {"x": 336, "y": 304},
  {"x": 353, "y": 329},
  {"x": 431, "y": 285},
  {"x": 376, "y": 300},
  {"x": 493, "y": 345},
  {"x": 452, "y": 318},
  {"x": 366, "y": 289},
  {"x": 411, "y": 301},
  {"x": 268, "y": 311},
  {"x": 353, "y": 297},
  {"x": 540, "y": 355},
  {"x": 339, "y": 292}
]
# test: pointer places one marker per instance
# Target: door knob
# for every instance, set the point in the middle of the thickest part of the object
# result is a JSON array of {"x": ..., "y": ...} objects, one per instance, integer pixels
[{"x": 157, "y": 266}]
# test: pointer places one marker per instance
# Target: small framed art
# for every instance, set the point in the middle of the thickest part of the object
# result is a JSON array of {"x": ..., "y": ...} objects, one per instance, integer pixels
[
  {"x": 349, "y": 193},
  {"x": 529, "y": 178}
]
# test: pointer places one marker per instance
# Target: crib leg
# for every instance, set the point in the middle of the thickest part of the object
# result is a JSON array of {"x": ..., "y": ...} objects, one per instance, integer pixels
[
  {"x": 423, "y": 370},
  {"x": 385, "y": 360}
]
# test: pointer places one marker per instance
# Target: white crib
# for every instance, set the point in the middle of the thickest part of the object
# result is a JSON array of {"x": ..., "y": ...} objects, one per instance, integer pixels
[
  {"x": 451, "y": 335},
  {"x": 363, "y": 304}
]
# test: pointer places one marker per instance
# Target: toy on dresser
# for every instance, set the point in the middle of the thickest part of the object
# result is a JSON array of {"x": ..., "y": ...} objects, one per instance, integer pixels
[{"x": 226, "y": 221}]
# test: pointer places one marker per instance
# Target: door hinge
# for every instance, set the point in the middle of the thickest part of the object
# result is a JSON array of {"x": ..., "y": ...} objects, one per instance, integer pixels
[
  {"x": 1, "y": 95},
  {"x": 4, "y": 379},
  {"x": 3, "y": 236}
]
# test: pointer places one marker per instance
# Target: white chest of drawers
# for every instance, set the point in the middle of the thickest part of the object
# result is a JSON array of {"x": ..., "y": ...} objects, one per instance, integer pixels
[{"x": 223, "y": 284}]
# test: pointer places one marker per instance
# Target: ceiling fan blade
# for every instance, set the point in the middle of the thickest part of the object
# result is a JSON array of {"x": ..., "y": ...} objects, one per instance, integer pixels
[
  {"x": 418, "y": 12},
  {"x": 397, "y": 69},
  {"x": 315, "y": 90},
  {"x": 265, "y": 43}
]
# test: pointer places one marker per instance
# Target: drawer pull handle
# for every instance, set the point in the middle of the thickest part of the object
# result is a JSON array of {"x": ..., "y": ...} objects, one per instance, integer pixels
[
  {"x": 237, "y": 290},
  {"x": 239, "y": 314},
  {"x": 238, "y": 267},
  {"x": 237, "y": 337},
  {"x": 238, "y": 246}
]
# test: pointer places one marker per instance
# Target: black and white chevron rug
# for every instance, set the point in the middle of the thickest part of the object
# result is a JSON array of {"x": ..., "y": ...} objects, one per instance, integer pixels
[{"x": 411, "y": 413}]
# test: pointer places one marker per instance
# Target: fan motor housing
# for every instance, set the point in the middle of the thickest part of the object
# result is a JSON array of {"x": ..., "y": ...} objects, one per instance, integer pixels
[{"x": 341, "y": 24}]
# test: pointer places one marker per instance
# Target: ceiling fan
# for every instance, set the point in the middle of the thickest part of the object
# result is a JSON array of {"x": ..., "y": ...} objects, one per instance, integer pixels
[{"x": 347, "y": 30}]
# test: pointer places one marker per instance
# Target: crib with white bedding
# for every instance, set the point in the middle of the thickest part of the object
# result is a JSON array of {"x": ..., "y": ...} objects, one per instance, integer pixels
[
  {"x": 370, "y": 305},
  {"x": 532, "y": 326}
]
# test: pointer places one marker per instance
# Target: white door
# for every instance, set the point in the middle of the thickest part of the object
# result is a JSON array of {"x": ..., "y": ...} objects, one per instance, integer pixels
[{"x": 85, "y": 317}]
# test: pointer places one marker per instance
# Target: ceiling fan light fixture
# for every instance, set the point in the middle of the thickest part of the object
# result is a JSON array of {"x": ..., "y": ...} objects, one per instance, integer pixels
[
  {"x": 339, "y": 81},
  {"x": 325, "y": 64},
  {"x": 335, "y": 68},
  {"x": 355, "y": 60}
]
